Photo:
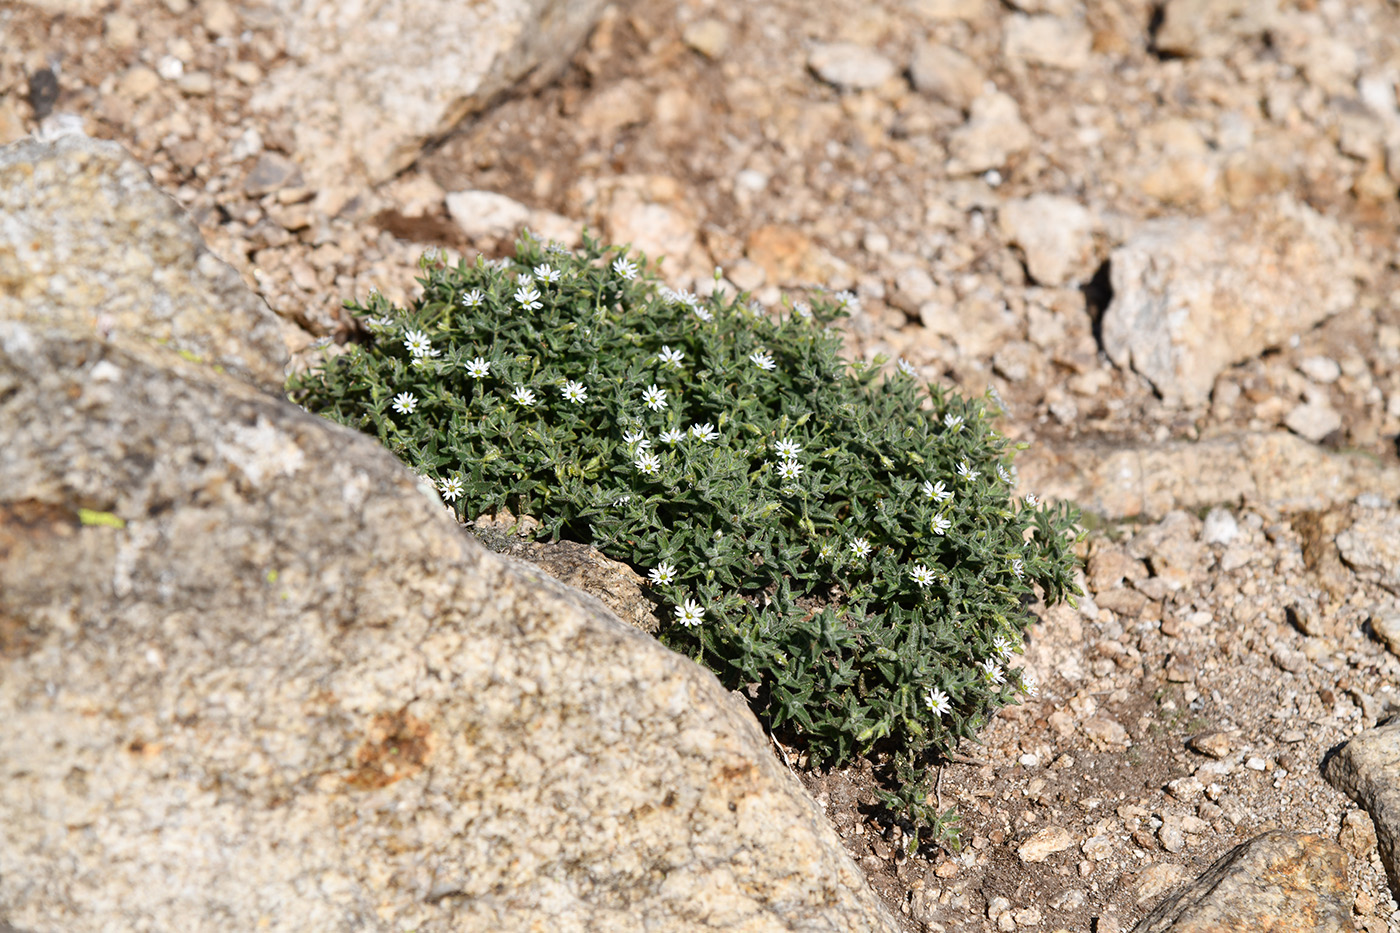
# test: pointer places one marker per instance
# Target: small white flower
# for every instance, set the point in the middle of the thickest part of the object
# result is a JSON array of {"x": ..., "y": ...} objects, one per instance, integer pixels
[
  {"x": 691, "y": 613},
  {"x": 941, "y": 524},
  {"x": 1004, "y": 476},
  {"x": 524, "y": 396},
  {"x": 478, "y": 368},
  {"x": 860, "y": 548},
  {"x": 787, "y": 449},
  {"x": 703, "y": 314},
  {"x": 952, "y": 422},
  {"x": 472, "y": 299},
  {"x": 803, "y": 311},
  {"x": 1018, "y": 567},
  {"x": 937, "y": 701},
  {"x": 648, "y": 463},
  {"x": 451, "y": 488},
  {"x": 789, "y": 469},
  {"x": 380, "y": 321},
  {"x": 1001, "y": 646},
  {"x": 672, "y": 436},
  {"x": 669, "y": 357},
  {"x": 655, "y": 398},
  {"x": 637, "y": 437},
  {"x": 704, "y": 432},
  {"x": 992, "y": 672},
  {"x": 546, "y": 274},
  {"x": 686, "y": 298},
  {"x": 921, "y": 575},
  {"x": 967, "y": 472},
  {"x": 625, "y": 268},
  {"x": 404, "y": 403},
  {"x": 529, "y": 297},
  {"x": 827, "y": 550},
  {"x": 1031, "y": 500},
  {"x": 662, "y": 573},
  {"x": 1029, "y": 685},
  {"x": 906, "y": 367},
  {"x": 847, "y": 299},
  {"x": 416, "y": 342},
  {"x": 763, "y": 360},
  {"x": 522, "y": 279},
  {"x": 574, "y": 392},
  {"x": 936, "y": 491}
]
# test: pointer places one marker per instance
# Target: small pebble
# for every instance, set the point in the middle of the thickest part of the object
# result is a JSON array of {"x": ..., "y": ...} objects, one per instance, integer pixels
[{"x": 847, "y": 65}]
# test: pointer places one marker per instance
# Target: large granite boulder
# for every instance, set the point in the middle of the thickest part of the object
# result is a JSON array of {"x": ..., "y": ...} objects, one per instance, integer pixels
[
  {"x": 368, "y": 84},
  {"x": 1193, "y": 296},
  {"x": 1280, "y": 882},
  {"x": 1367, "y": 769},
  {"x": 1278, "y": 469},
  {"x": 65, "y": 204},
  {"x": 253, "y": 676}
]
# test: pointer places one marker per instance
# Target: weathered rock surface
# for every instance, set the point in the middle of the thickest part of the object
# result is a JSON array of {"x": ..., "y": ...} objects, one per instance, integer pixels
[
  {"x": 1367, "y": 769},
  {"x": 253, "y": 674},
  {"x": 1279, "y": 881},
  {"x": 615, "y": 584},
  {"x": 1371, "y": 546},
  {"x": 994, "y": 131},
  {"x": 1279, "y": 469},
  {"x": 1052, "y": 41},
  {"x": 1202, "y": 28},
  {"x": 850, "y": 65},
  {"x": 944, "y": 73},
  {"x": 1055, "y": 233},
  {"x": 63, "y": 206},
  {"x": 1191, "y": 297},
  {"x": 369, "y": 84}
]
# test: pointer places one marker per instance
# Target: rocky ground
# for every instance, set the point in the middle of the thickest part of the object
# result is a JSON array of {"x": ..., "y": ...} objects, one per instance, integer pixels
[{"x": 1219, "y": 654}]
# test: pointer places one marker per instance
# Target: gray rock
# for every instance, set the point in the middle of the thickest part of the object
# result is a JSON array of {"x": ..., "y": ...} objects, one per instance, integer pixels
[
  {"x": 1275, "y": 881},
  {"x": 1387, "y": 628},
  {"x": 1220, "y": 527},
  {"x": 486, "y": 213},
  {"x": 1367, "y": 769},
  {"x": 994, "y": 132},
  {"x": 91, "y": 243},
  {"x": 1313, "y": 420},
  {"x": 1371, "y": 546},
  {"x": 848, "y": 65},
  {"x": 1278, "y": 469},
  {"x": 710, "y": 37},
  {"x": 272, "y": 172},
  {"x": 1191, "y": 297},
  {"x": 613, "y": 583},
  {"x": 1053, "y": 41},
  {"x": 938, "y": 10},
  {"x": 253, "y": 673},
  {"x": 1055, "y": 233},
  {"x": 913, "y": 288},
  {"x": 366, "y": 85},
  {"x": 944, "y": 73},
  {"x": 1207, "y": 28},
  {"x": 1321, "y": 369}
]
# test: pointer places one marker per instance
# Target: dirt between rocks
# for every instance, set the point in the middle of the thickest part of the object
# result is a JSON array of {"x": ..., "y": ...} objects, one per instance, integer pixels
[{"x": 722, "y": 133}]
